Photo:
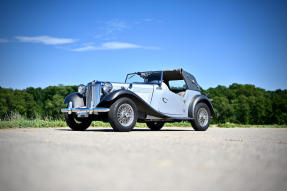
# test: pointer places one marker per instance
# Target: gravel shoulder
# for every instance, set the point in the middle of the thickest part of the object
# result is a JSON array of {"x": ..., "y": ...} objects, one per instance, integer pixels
[{"x": 171, "y": 159}]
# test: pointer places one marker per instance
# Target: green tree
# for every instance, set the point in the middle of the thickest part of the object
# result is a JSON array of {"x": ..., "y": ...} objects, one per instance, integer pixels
[{"x": 223, "y": 109}]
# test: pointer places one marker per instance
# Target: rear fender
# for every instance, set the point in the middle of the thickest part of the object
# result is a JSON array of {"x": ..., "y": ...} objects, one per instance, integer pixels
[{"x": 200, "y": 99}]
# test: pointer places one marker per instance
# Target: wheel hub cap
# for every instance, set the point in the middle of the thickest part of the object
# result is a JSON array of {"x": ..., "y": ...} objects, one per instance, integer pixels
[
  {"x": 202, "y": 117},
  {"x": 125, "y": 115}
]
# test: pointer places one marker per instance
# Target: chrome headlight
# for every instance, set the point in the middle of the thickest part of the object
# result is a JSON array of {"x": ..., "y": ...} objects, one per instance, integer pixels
[
  {"x": 82, "y": 89},
  {"x": 107, "y": 87}
]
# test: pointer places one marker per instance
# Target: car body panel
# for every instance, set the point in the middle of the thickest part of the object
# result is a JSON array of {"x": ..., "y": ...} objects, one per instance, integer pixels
[
  {"x": 145, "y": 91},
  {"x": 155, "y": 96}
]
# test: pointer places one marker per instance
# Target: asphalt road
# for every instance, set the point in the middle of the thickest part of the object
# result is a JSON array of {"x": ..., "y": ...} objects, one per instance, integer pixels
[{"x": 171, "y": 159}]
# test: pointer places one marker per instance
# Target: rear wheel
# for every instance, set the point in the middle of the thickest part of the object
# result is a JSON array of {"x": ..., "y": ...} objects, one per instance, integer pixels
[
  {"x": 123, "y": 115},
  {"x": 77, "y": 124},
  {"x": 155, "y": 125},
  {"x": 201, "y": 117}
]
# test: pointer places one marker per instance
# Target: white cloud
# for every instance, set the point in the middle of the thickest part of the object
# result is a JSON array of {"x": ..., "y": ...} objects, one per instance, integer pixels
[
  {"x": 115, "y": 26},
  {"x": 147, "y": 20},
  {"x": 48, "y": 40},
  {"x": 2, "y": 40},
  {"x": 112, "y": 46},
  {"x": 85, "y": 48},
  {"x": 119, "y": 45}
]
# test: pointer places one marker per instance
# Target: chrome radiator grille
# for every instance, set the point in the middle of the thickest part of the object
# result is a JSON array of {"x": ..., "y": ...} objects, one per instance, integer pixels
[
  {"x": 88, "y": 95},
  {"x": 93, "y": 94}
]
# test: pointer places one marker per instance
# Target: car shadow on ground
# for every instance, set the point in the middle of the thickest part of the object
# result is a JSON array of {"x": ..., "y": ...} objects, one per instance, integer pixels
[{"x": 111, "y": 130}]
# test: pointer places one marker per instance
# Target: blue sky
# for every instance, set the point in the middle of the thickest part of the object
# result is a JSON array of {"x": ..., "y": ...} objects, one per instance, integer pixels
[{"x": 221, "y": 42}]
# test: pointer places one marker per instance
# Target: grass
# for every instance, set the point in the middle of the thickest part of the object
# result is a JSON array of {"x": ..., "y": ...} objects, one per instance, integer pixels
[
  {"x": 17, "y": 121},
  {"x": 233, "y": 125},
  {"x": 39, "y": 123}
]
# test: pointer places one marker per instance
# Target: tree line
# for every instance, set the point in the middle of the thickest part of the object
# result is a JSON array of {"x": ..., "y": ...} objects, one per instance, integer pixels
[{"x": 244, "y": 104}]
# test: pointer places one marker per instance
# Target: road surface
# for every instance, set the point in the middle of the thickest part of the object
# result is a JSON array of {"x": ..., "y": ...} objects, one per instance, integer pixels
[{"x": 172, "y": 159}]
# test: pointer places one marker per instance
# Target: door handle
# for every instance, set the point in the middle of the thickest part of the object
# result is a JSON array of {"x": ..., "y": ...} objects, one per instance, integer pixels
[{"x": 164, "y": 100}]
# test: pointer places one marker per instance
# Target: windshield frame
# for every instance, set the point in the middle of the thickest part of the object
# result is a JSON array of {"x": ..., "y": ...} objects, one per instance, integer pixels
[{"x": 138, "y": 73}]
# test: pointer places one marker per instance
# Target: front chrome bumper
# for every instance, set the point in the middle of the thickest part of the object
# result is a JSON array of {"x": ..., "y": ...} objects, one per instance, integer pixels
[
  {"x": 85, "y": 110},
  {"x": 95, "y": 110}
]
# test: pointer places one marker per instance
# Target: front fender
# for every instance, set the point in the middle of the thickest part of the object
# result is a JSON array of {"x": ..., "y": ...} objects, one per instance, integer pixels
[
  {"x": 197, "y": 99},
  {"x": 142, "y": 106},
  {"x": 118, "y": 93},
  {"x": 76, "y": 98}
]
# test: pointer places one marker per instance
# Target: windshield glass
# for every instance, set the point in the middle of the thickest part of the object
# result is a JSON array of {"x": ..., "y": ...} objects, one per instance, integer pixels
[{"x": 144, "y": 77}]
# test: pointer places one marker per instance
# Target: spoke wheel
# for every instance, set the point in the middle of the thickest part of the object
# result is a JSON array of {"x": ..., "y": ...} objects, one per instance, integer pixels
[
  {"x": 123, "y": 115},
  {"x": 201, "y": 117}
]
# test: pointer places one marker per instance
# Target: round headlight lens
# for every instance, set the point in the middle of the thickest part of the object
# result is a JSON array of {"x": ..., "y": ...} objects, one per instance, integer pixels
[
  {"x": 107, "y": 87},
  {"x": 82, "y": 89}
]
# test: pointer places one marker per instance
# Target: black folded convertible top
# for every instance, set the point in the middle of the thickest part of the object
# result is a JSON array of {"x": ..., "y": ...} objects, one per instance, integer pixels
[{"x": 180, "y": 74}]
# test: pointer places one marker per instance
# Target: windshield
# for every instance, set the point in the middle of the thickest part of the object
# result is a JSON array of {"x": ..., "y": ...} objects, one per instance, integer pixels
[{"x": 144, "y": 77}]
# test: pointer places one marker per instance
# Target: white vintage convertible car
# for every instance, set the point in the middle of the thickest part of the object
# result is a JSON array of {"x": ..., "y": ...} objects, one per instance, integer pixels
[{"x": 153, "y": 97}]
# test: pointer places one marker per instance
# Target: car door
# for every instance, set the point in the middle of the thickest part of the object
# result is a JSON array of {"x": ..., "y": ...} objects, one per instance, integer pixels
[{"x": 167, "y": 102}]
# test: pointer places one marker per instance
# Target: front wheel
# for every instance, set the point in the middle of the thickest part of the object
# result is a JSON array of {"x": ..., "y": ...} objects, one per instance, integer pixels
[
  {"x": 123, "y": 115},
  {"x": 77, "y": 124},
  {"x": 201, "y": 117},
  {"x": 155, "y": 125}
]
